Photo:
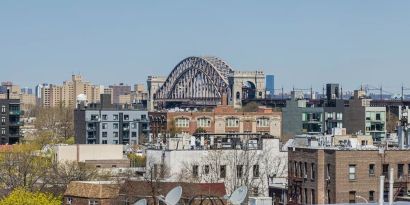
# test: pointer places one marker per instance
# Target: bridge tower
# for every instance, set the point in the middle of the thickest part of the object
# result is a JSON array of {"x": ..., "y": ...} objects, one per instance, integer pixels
[{"x": 246, "y": 85}]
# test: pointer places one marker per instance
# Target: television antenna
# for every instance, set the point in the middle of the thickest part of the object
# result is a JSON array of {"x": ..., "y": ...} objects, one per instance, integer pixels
[
  {"x": 172, "y": 197},
  {"x": 141, "y": 202},
  {"x": 238, "y": 196}
]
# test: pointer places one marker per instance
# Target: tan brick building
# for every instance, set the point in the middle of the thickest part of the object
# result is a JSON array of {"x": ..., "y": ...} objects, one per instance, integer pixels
[
  {"x": 66, "y": 94},
  {"x": 341, "y": 175},
  {"x": 223, "y": 119}
]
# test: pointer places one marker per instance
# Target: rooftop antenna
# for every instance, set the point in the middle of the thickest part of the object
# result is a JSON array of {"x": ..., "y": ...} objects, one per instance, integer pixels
[
  {"x": 238, "y": 196},
  {"x": 141, "y": 202},
  {"x": 172, "y": 197}
]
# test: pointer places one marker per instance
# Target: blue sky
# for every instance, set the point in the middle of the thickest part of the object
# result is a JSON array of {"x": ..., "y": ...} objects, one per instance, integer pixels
[{"x": 304, "y": 43}]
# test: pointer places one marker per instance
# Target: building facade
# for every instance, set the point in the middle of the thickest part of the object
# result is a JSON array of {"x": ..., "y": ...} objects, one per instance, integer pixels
[
  {"x": 118, "y": 91},
  {"x": 223, "y": 119},
  {"x": 10, "y": 120},
  {"x": 320, "y": 174},
  {"x": 66, "y": 94},
  {"x": 105, "y": 123},
  {"x": 236, "y": 160},
  {"x": 361, "y": 117}
]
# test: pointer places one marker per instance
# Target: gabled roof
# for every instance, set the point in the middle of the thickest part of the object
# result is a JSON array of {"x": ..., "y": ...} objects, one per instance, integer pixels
[{"x": 94, "y": 190}]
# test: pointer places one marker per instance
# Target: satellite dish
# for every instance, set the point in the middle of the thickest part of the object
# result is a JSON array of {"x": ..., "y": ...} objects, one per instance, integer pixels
[
  {"x": 238, "y": 196},
  {"x": 141, "y": 202},
  {"x": 172, "y": 197}
]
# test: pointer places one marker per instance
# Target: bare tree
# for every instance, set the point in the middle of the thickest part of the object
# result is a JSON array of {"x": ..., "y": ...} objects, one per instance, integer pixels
[
  {"x": 155, "y": 173},
  {"x": 237, "y": 167}
]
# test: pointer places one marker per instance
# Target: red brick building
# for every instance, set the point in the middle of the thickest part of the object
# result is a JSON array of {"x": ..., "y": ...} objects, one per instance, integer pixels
[
  {"x": 336, "y": 175},
  {"x": 223, "y": 119}
]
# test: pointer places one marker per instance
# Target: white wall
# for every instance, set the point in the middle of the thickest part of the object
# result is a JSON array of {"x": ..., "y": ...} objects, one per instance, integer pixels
[
  {"x": 82, "y": 152},
  {"x": 270, "y": 159}
]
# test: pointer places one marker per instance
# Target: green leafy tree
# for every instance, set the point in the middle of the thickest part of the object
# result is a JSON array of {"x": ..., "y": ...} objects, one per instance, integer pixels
[{"x": 21, "y": 196}]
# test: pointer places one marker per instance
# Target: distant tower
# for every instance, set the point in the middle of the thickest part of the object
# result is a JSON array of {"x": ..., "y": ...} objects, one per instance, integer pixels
[
  {"x": 332, "y": 91},
  {"x": 153, "y": 84},
  {"x": 270, "y": 85}
]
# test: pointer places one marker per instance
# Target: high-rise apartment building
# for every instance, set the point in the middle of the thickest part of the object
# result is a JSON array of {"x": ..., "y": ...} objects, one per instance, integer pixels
[
  {"x": 66, "y": 94},
  {"x": 118, "y": 90},
  {"x": 270, "y": 85},
  {"x": 9, "y": 120}
]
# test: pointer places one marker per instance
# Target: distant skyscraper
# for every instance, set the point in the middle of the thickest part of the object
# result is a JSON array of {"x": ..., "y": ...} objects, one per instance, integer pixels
[
  {"x": 270, "y": 85},
  {"x": 38, "y": 89},
  {"x": 27, "y": 90},
  {"x": 332, "y": 91}
]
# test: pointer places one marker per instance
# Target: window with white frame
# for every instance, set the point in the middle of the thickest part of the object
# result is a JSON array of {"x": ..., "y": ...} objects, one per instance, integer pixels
[
  {"x": 182, "y": 122},
  {"x": 232, "y": 122},
  {"x": 69, "y": 201},
  {"x": 204, "y": 122},
  {"x": 352, "y": 172},
  {"x": 92, "y": 202},
  {"x": 3, "y": 109},
  {"x": 262, "y": 122}
]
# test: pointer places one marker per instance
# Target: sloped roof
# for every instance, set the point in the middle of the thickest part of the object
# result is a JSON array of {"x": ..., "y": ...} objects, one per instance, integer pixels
[
  {"x": 143, "y": 188},
  {"x": 95, "y": 190}
]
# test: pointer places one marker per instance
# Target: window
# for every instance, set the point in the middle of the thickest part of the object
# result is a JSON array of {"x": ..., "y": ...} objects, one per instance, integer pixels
[
  {"x": 262, "y": 122},
  {"x": 104, "y": 141},
  {"x": 182, "y": 122},
  {"x": 133, "y": 134},
  {"x": 104, "y": 134},
  {"x": 195, "y": 170},
  {"x": 204, "y": 122},
  {"x": 313, "y": 196},
  {"x": 92, "y": 202},
  {"x": 104, "y": 126},
  {"x": 232, "y": 122},
  {"x": 305, "y": 196},
  {"x": 115, "y": 141},
  {"x": 352, "y": 197},
  {"x": 3, "y": 120},
  {"x": 313, "y": 171},
  {"x": 255, "y": 191},
  {"x": 239, "y": 171},
  {"x": 104, "y": 117},
  {"x": 255, "y": 170},
  {"x": 328, "y": 197},
  {"x": 371, "y": 196},
  {"x": 113, "y": 166},
  {"x": 385, "y": 171},
  {"x": 115, "y": 126},
  {"x": 305, "y": 170},
  {"x": 328, "y": 171},
  {"x": 222, "y": 170},
  {"x": 69, "y": 201},
  {"x": 378, "y": 116},
  {"x": 94, "y": 117},
  {"x": 126, "y": 117},
  {"x": 371, "y": 169},
  {"x": 3, "y": 109},
  {"x": 115, "y": 134},
  {"x": 143, "y": 117},
  {"x": 238, "y": 95},
  {"x": 400, "y": 170},
  {"x": 134, "y": 125},
  {"x": 115, "y": 117},
  {"x": 352, "y": 172},
  {"x": 3, "y": 131},
  {"x": 206, "y": 169}
]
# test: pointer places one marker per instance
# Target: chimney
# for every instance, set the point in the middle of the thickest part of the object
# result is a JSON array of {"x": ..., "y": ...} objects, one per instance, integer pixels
[{"x": 224, "y": 99}]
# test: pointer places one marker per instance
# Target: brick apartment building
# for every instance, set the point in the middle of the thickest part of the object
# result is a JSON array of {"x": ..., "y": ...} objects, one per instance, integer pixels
[
  {"x": 223, "y": 119},
  {"x": 337, "y": 174}
]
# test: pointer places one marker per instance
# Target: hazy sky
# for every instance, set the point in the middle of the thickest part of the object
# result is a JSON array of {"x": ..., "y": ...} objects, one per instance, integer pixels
[{"x": 302, "y": 43}]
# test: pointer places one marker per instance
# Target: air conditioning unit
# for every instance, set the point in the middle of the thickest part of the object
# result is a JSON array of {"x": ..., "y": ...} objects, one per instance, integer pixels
[
  {"x": 305, "y": 176},
  {"x": 328, "y": 178}
]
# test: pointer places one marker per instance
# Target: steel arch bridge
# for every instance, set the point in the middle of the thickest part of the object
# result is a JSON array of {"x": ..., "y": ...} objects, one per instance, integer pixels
[{"x": 196, "y": 80}]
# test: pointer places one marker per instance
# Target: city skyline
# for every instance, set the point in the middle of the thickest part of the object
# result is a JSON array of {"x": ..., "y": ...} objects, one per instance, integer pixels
[{"x": 343, "y": 42}]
